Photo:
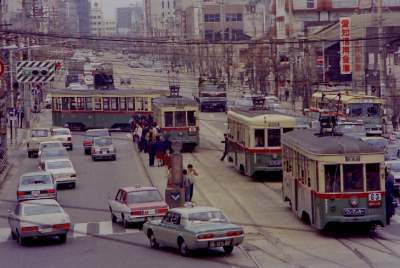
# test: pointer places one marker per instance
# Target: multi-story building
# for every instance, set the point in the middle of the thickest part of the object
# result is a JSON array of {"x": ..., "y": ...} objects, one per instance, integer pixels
[
  {"x": 109, "y": 27},
  {"x": 130, "y": 20},
  {"x": 159, "y": 16},
  {"x": 96, "y": 19},
  {"x": 83, "y": 10}
]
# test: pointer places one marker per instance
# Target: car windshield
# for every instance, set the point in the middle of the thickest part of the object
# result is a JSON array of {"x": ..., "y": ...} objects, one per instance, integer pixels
[
  {"x": 207, "y": 216},
  {"x": 35, "y": 179},
  {"x": 54, "y": 153},
  {"x": 40, "y": 133},
  {"x": 61, "y": 132},
  {"x": 41, "y": 209},
  {"x": 58, "y": 165},
  {"x": 103, "y": 142},
  {"x": 144, "y": 197},
  {"x": 394, "y": 166},
  {"x": 97, "y": 133}
]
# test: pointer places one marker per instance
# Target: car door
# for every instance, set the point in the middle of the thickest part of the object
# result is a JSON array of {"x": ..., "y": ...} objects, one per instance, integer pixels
[
  {"x": 14, "y": 218},
  {"x": 160, "y": 231},
  {"x": 170, "y": 230},
  {"x": 117, "y": 209}
]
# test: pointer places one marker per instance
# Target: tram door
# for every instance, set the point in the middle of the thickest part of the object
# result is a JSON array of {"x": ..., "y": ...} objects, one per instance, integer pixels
[{"x": 296, "y": 194}]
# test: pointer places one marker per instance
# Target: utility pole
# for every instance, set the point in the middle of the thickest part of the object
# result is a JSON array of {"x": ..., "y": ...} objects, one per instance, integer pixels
[
  {"x": 382, "y": 54},
  {"x": 291, "y": 55}
]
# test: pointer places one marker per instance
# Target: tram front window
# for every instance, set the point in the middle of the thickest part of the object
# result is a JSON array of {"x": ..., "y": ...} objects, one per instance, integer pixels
[
  {"x": 332, "y": 178},
  {"x": 180, "y": 119},
  {"x": 259, "y": 135},
  {"x": 191, "y": 118},
  {"x": 353, "y": 178},
  {"x": 169, "y": 119},
  {"x": 373, "y": 180},
  {"x": 274, "y": 137}
]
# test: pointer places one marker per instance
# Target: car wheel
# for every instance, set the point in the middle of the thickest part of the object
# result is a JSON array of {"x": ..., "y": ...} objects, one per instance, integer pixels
[
  {"x": 71, "y": 147},
  {"x": 13, "y": 235},
  {"x": 72, "y": 185},
  {"x": 114, "y": 158},
  {"x": 183, "y": 249},
  {"x": 228, "y": 249},
  {"x": 21, "y": 240},
  {"x": 30, "y": 154},
  {"x": 87, "y": 152},
  {"x": 153, "y": 241},
  {"x": 63, "y": 238},
  {"x": 94, "y": 158}
]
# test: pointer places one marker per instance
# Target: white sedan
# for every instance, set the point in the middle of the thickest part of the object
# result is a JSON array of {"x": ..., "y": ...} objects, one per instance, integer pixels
[
  {"x": 62, "y": 170},
  {"x": 38, "y": 218},
  {"x": 64, "y": 136}
]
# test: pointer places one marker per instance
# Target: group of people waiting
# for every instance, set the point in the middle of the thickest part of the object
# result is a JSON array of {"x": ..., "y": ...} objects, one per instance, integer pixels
[{"x": 146, "y": 133}]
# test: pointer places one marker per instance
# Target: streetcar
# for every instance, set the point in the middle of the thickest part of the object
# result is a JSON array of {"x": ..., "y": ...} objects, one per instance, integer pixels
[
  {"x": 351, "y": 107},
  {"x": 254, "y": 138},
  {"x": 86, "y": 109},
  {"x": 333, "y": 179},
  {"x": 177, "y": 117}
]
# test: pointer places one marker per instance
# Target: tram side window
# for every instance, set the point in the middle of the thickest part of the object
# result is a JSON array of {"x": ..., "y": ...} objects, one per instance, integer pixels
[
  {"x": 65, "y": 104},
  {"x": 80, "y": 103},
  {"x": 169, "y": 119},
  {"x": 353, "y": 178},
  {"x": 72, "y": 104},
  {"x": 97, "y": 104},
  {"x": 122, "y": 104},
  {"x": 191, "y": 118},
  {"x": 106, "y": 104},
  {"x": 373, "y": 178},
  {"x": 332, "y": 178},
  {"x": 131, "y": 103},
  {"x": 274, "y": 137},
  {"x": 285, "y": 130},
  {"x": 259, "y": 135},
  {"x": 89, "y": 104},
  {"x": 114, "y": 104},
  {"x": 57, "y": 105},
  {"x": 139, "y": 104},
  {"x": 180, "y": 119}
]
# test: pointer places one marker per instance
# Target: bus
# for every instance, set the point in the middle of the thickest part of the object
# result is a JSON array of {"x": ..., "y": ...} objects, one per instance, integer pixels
[
  {"x": 351, "y": 107},
  {"x": 177, "y": 118},
  {"x": 254, "y": 139},
  {"x": 333, "y": 179},
  {"x": 85, "y": 109}
]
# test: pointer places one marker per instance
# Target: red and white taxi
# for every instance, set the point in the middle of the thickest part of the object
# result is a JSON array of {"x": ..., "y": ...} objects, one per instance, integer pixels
[{"x": 137, "y": 205}]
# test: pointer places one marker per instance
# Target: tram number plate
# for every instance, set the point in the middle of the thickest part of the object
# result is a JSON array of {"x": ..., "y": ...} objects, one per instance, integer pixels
[
  {"x": 374, "y": 197},
  {"x": 354, "y": 211}
]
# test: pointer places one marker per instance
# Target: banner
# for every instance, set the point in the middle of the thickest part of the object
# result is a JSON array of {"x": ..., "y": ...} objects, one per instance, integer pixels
[{"x": 345, "y": 51}]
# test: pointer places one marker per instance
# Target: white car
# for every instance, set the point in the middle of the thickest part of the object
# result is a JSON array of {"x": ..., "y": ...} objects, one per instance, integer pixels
[
  {"x": 63, "y": 172},
  {"x": 38, "y": 218},
  {"x": 393, "y": 168},
  {"x": 89, "y": 81},
  {"x": 64, "y": 136},
  {"x": 49, "y": 145},
  {"x": 77, "y": 86}
]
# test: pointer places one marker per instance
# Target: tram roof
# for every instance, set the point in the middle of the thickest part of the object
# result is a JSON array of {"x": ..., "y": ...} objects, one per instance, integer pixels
[
  {"x": 347, "y": 96},
  {"x": 114, "y": 92},
  {"x": 307, "y": 140},
  {"x": 172, "y": 101},
  {"x": 260, "y": 117}
]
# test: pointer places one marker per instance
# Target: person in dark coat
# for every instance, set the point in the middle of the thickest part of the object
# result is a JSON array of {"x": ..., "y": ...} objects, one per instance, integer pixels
[
  {"x": 143, "y": 139},
  {"x": 225, "y": 141},
  {"x": 389, "y": 197},
  {"x": 152, "y": 148}
]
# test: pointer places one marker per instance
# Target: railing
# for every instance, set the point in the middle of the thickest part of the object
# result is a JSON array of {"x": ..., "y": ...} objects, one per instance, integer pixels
[{"x": 3, "y": 160}]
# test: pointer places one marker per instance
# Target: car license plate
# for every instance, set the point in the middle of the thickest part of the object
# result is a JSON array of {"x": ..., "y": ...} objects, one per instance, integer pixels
[
  {"x": 46, "y": 230},
  {"x": 35, "y": 193},
  {"x": 151, "y": 212},
  {"x": 220, "y": 243},
  {"x": 354, "y": 211}
]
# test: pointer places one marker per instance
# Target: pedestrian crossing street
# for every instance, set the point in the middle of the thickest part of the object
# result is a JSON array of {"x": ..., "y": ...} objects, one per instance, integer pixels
[{"x": 103, "y": 228}]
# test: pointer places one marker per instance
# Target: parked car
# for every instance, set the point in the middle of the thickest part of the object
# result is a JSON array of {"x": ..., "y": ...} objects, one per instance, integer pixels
[
  {"x": 90, "y": 135},
  {"x": 103, "y": 148},
  {"x": 78, "y": 86},
  {"x": 52, "y": 153},
  {"x": 137, "y": 205},
  {"x": 36, "y": 185},
  {"x": 194, "y": 228},
  {"x": 134, "y": 64},
  {"x": 35, "y": 219},
  {"x": 36, "y": 136},
  {"x": 63, "y": 135},
  {"x": 63, "y": 172},
  {"x": 49, "y": 145}
]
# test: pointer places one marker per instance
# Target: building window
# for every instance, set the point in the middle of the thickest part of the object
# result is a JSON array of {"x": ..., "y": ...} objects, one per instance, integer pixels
[
  {"x": 234, "y": 17},
  {"x": 212, "y": 18},
  {"x": 310, "y": 3}
]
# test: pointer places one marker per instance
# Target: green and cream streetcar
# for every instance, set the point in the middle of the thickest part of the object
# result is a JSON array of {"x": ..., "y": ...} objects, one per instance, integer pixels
[{"x": 330, "y": 179}]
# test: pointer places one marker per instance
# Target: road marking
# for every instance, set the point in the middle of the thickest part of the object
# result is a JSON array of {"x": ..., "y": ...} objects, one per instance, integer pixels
[{"x": 104, "y": 228}]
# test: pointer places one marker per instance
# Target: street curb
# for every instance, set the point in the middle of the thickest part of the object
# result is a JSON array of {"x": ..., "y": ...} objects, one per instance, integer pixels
[{"x": 5, "y": 173}]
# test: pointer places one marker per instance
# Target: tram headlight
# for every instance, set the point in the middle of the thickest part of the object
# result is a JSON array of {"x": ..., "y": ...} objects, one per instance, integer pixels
[{"x": 354, "y": 202}]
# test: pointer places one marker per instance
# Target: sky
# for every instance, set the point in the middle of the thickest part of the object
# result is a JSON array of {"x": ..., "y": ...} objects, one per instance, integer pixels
[{"x": 109, "y": 6}]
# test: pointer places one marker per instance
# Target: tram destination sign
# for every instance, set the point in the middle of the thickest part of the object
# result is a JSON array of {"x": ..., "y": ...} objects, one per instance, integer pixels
[{"x": 352, "y": 158}]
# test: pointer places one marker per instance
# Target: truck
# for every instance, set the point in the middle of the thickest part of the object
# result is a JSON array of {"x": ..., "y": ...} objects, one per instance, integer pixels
[
  {"x": 211, "y": 95},
  {"x": 103, "y": 75}
]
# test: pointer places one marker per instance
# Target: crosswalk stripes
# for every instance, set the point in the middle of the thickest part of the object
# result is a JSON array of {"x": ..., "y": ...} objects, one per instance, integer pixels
[{"x": 77, "y": 230}]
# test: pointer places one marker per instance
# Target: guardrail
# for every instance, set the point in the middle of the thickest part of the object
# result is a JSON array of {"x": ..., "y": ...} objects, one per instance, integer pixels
[{"x": 3, "y": 160}]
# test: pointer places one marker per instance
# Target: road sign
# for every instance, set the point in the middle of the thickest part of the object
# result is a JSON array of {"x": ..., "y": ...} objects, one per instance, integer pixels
[
  {"x": 175, "y": 196},
  {"x": 2, "y": 68},
  {"x": 35, "y": 71}
]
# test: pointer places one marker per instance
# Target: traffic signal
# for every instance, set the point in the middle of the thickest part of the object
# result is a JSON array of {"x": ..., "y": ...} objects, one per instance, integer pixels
[{"x": 36, "y": 71}]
